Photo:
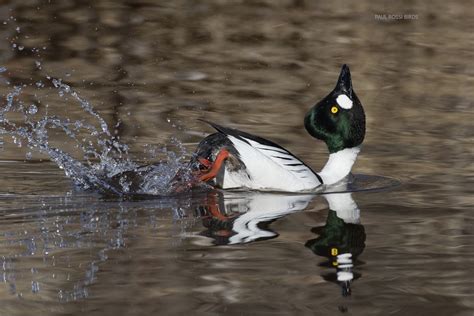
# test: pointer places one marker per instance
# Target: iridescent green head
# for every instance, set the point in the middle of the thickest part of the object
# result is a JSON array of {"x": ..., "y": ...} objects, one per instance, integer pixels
[{"x": 339, "y": 118}]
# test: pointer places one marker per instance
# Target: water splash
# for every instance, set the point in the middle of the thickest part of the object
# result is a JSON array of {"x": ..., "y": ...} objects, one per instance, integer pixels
[{"x": 105, "y": 164}]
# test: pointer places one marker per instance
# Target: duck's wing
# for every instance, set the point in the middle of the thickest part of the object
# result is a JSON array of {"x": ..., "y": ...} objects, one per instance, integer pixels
[{"x": 280, "y": 163}]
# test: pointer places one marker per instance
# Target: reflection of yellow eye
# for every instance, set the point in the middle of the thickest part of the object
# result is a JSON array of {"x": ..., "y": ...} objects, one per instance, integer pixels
[{"x": 334, "y": 110}]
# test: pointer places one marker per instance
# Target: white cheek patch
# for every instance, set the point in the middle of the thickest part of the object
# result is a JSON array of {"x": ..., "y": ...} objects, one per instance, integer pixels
[{"x": 344, "y": 101}]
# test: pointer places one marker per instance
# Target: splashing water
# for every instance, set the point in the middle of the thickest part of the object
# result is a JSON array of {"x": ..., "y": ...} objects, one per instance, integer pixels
[{"x": 106, "y": 165}]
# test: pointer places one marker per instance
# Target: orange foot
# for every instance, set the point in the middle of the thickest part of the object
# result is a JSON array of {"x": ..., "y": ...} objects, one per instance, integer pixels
[
  {"x": 215, "y": 166},
  {"x": 205, "y": 162},
  {"x": 213, "y": 208}
]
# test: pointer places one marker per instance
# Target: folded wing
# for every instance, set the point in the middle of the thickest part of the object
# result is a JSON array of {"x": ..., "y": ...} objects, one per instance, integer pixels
[{"x": 268, "y": 165}]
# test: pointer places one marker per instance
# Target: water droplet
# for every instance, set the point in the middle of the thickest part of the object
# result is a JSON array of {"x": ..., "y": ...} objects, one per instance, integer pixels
[
  {"x": 33, "y": 109},
  {"x": 28, "y": 155},
  {"x": 192, "y": 76},
  {"x": 18, "y": 29},
  {"x": 20, "y": 48},
  {"x": 35, "y": 287},
  {"x": 3, "y": 69}
]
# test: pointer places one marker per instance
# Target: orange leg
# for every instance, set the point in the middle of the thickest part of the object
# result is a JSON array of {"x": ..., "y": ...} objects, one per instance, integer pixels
[
  {"x": 206, "y": 163},
  {"x": 216, "y": 166},
  {"x": 216, "y": 213},
  {"x": 213, "y": 207}
]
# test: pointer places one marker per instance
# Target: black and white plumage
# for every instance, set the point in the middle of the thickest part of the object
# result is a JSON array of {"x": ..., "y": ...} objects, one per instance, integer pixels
[
  {"x": 246, "y": 217},
  {"x": 233, "y": 159},
  {"x": 256, "y": 163}
]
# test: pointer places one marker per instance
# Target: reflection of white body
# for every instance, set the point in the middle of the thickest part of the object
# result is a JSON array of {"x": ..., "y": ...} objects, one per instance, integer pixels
[
  {"x": 260, "y": 207},
  {"x": 265, "y": 207},
  {"x": 345, "y": 207}
]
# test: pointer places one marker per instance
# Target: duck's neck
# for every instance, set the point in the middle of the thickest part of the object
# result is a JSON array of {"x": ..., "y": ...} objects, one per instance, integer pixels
[{"x": 339, "y": 165}]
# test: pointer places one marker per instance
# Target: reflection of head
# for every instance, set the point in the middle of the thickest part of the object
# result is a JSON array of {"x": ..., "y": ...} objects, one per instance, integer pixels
[
  {"x": 342, "y": 232},
  {"x": 337, "y": 237},
  {"x": 341, "y": 240}
]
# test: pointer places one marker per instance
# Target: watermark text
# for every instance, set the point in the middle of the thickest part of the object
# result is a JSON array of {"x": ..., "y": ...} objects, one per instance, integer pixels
[{"x": 395, "y": 17}]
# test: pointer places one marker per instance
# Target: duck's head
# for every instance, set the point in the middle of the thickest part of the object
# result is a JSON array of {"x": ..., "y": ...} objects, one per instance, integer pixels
[{"x": 339, "y": 118}]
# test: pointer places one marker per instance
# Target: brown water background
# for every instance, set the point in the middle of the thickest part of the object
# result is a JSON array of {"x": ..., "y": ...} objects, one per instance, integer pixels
[{"x": 152, "y": 69}]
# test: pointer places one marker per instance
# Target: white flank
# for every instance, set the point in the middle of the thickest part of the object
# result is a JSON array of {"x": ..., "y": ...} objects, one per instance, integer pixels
[
  {"x": 344, "y": 101},
  {"x": 269, "y": 168},
  {"x": 339, "y": 165},
  {"x": 344, "y": 206}
]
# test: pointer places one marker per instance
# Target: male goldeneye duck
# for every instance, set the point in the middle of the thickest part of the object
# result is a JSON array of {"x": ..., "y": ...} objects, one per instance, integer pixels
[{"x": 232, "y": 159}]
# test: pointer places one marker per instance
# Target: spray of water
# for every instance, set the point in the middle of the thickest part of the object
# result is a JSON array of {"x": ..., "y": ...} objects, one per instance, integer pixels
[{"x": 106, "y": 165}]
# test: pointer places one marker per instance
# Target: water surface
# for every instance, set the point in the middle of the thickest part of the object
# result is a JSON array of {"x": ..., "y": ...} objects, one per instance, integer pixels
[{"x": 151, "y": 70}]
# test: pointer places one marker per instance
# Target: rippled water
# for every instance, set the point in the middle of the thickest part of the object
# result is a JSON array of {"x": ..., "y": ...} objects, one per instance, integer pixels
[{"x": 151, "y": 70}]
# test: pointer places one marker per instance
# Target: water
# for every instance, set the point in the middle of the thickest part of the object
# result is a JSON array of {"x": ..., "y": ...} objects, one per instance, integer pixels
[
  {"x": 138, "y": 76},
  {"x": 105, "y": 160}
]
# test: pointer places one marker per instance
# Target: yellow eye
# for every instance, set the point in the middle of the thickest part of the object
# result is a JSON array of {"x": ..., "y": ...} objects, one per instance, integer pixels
[{"x": 334, "y": 110}]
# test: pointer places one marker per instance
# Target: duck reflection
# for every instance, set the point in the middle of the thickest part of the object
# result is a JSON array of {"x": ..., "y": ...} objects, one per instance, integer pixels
[
  {"x": 233, "y": 218},
  {"x": 341, "y": 240}
]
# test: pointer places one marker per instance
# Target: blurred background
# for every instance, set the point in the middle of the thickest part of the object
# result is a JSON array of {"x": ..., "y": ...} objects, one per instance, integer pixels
[{"x": 153, "y": 68}]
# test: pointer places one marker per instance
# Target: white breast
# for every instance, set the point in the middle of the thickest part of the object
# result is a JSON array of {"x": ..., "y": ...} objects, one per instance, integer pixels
[{"x": 269, "y": 168}]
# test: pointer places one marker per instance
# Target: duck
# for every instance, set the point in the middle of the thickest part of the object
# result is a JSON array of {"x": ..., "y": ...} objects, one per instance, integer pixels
[{"x": 231, "y": 159}]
